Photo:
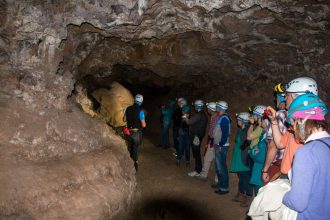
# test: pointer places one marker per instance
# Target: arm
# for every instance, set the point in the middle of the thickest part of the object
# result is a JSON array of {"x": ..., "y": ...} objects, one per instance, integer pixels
[
  {"x": 304, "y": 169},
  {"x": 277, "y": 135},
  {"x": 271, "y": 153},
  {"x": 142, "y": 119},
  {"x": 249, "y": 133}
]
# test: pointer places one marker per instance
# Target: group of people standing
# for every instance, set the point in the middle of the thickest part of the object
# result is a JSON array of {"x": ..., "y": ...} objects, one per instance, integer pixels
[
  {"x": 189, "y": 128},
  {"x": 281, "y": 154}
]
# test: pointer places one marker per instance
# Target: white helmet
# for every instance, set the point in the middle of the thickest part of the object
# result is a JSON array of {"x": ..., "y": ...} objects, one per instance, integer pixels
[
  {"x": 139, "y": 99},
  {"x": 222, "y": 105},
  {"x": 302, "y": 85},
  {"x": 243, "y": 116},
  {"x": 212, "y": 106},
  {"x": 259, "y": 110},
  {"x": 198, "y": 104},
  {"x": 182, "y": 102}
]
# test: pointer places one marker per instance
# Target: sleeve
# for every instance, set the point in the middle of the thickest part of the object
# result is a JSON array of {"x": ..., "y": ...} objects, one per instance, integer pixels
[
  {"x": 304, "y": 169},
  {"x": 284, "y": 139},
  {"x": 257, "y": 132},
  {"x": 142, "y": 116},
  {"x": 224, "y": 125}
]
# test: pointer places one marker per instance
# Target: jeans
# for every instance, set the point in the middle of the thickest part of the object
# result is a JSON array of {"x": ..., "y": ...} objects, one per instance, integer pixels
[
  {"x": 164, "y": 140},
  {"x": 196, "y": 150},
  {"x": 134, "y": 141},
  {"x": 244, "y": 185},
  {"x": 184, "y": 145},
  {"x": 221, "y": 167},
  {"x": 175, "y": 136}
]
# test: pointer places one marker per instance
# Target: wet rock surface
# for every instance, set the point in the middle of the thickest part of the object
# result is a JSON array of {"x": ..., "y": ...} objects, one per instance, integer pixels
[{"x": 57, "y": 161}]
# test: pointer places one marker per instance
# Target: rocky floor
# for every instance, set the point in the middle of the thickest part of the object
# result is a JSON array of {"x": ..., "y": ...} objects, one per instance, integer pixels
[{"x": 167, "y": 192}]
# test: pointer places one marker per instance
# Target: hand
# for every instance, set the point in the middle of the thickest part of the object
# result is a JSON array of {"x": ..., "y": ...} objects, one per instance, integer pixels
[
  {"x": 271, "y": 113},
  {"x": 251, "y": 120},
  {"x": 219, "y": 148},
  {"x": 265, "y": 177}
]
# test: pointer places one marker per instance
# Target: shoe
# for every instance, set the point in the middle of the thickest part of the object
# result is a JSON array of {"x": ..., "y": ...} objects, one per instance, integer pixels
[
  {"x": 193, "y": 174},
  {"x": 202, "y": 176},
  {"x": 238, "y": 197},
  {"x": 175, "y": 154},
  {"x": 177, "y": 163},
  {"x": 246, "y": 202},
  {"x": 221, "y": 192}
]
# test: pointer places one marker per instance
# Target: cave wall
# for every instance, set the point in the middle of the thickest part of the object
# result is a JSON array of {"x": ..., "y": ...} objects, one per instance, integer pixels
[{"x": 54, "y": 154}]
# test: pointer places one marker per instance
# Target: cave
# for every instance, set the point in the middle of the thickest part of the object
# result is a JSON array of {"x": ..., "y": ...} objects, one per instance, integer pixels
[{"x": 61, "y": 160}]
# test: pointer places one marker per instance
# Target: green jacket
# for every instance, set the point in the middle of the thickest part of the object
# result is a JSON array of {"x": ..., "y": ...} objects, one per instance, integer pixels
[{"x": 236, "y": 164}]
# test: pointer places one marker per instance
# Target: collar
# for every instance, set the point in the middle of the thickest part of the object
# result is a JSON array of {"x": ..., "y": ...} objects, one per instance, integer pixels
[{"x": 317, "y": 135}]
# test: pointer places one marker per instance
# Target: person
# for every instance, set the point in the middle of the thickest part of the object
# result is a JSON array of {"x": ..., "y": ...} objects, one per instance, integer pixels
[
  {"x": 166, "y": 114},
  {"x": 221, "y": 146},
  {"x": 272, "y": 193},
  {"x": 295, "y": 88},
  {"x": 309, "y": 194},
  {"x": 177, "y": 117},
  {"x": 184, "y": 139},
  {"x": 135, "y": 118},
  {"x": 238, "y": 160},
  {"x": 197, "y": 126},
  {"x": 209, "y": 152},
  {"x": 253, "y": 134},
  {"x": 258, "y": 154},
  {"x": 274, "y": 156}
]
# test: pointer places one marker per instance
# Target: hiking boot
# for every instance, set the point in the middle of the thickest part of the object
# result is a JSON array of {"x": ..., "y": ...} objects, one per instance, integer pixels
[
  {"x": 246, "y": 202},
  {"x": 238, "y": 197},
  {"x": 193, "y": 174}
]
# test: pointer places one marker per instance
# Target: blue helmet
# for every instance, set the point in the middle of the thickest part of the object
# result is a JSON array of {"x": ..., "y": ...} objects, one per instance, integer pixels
[
  {"x": 307, "y": 106},
  {"x": 186, "y": 108}
]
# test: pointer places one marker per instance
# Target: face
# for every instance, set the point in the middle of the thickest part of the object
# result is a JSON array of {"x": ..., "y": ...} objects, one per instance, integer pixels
[
  {"x": 239, "y": 123},
  {"x": 289, "y": 97}
]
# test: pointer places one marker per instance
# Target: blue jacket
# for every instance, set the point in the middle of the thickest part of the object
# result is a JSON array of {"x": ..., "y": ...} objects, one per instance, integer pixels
[
  {"x": 310, "y": 187},
  {"x": 222, "y": 131},
  {"x": 167, "y": 115},
  {"x": 258, "y": 155}
]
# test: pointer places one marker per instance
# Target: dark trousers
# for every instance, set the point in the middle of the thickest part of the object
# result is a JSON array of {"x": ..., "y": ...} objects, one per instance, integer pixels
[
  {"x": 196, "y": 150},
  {"x": 176, "y": 136},
  {"x": 244, "y": 186},
  {"x": 134, "y": 141},
  {"x": 184, "y": 146}
]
